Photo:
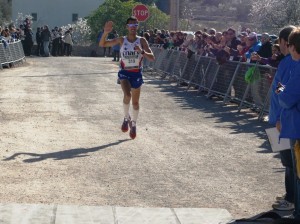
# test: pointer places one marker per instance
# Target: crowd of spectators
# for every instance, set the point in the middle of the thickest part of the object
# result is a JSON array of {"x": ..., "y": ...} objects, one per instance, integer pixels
[
  {"x": 55, "y": 42},
  {"x": 10, "y": 34},
  {"x": 227, "y": 45}
]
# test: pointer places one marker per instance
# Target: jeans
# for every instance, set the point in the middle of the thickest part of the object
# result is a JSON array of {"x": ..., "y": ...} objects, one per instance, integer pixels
[
  {"x": 68, "y": 49},
  {"x": 46, "y": 48},
  {"x": 287, "y": 162}
]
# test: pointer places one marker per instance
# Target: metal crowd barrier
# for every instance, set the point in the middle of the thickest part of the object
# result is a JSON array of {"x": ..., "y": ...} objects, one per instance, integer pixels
[
  {"x": 11, "y": 54},
  {"x": 226, "y": 81}
]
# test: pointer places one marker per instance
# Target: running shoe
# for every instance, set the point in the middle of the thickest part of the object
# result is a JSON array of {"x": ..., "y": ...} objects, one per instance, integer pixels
[
  {"x": 132, "y": 132},
  {"x": 124, "y": 126}
]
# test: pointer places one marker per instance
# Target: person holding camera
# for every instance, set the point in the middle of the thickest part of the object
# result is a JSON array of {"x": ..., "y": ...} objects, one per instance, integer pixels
[{"x": 273, "y": 61}]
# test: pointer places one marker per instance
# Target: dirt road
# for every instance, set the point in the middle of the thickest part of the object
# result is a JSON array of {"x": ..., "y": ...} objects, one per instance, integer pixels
[{"x": 61, "y": 143}]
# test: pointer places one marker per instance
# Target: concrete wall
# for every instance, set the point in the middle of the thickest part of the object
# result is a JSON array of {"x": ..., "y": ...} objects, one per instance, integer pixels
[{"x": 54, "y": 12}]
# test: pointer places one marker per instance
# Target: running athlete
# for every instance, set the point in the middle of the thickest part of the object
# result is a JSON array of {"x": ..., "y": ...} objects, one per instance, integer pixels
[{"x": 133, "y": 49}]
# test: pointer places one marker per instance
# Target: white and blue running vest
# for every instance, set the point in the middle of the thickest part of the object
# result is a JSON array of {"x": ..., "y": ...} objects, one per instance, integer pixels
[{"x": 131, "y": 60}]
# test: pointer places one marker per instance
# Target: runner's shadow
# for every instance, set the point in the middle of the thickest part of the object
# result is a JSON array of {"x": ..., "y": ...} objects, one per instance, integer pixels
[{"x": 60, "y": 155}]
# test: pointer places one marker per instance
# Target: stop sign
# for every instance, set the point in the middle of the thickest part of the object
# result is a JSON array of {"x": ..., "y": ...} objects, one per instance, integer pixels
[{"x": 141, "y": 12}]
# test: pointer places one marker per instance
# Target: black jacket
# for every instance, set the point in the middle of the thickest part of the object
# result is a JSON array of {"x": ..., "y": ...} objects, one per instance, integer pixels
[{"x": 265, "y": 50}]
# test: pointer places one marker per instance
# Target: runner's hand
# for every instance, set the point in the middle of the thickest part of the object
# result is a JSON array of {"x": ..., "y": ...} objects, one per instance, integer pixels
[{"x": 108, "y": 27}]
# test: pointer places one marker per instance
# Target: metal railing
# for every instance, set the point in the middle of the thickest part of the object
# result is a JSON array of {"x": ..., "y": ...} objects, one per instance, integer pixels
[
  {"x": 11, "y": 54},
  {"x": 226, "y": 81}
]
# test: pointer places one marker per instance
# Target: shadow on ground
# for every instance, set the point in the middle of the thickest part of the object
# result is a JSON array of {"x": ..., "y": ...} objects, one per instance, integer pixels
[
  {"x": 245, "y": 121},
  {"x": 64, "y": 154},
  {"x": 269, "y": 217}
]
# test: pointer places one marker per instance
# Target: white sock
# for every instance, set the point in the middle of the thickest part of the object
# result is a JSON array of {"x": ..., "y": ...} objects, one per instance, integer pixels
[
  {"x": 126, "y": 110},
  {"x": 135, "y": 114}
]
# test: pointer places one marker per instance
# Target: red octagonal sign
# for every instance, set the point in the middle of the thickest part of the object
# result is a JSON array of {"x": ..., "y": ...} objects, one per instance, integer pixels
[{"x": 141, "y": 12}]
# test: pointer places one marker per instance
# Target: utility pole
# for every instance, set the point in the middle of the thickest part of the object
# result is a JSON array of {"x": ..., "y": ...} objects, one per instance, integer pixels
[{"x": 174, "y": 13}]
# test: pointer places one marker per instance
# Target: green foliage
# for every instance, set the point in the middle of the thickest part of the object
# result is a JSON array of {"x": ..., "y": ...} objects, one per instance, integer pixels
[
  {"x": 118, "y": 11},
  {"x": 157, "y": 19},
  {"x": 146, "y": 2},
  {"x": 113, "y": 10}
]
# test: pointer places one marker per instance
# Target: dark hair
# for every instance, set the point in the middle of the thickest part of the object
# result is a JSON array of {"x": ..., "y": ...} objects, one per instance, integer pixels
[
  {"x": 294, "y": 39},
  {"x": 131, "y": 18},
  {"x": 198, "y": 32},
  {"x": 285, "y": 32}
]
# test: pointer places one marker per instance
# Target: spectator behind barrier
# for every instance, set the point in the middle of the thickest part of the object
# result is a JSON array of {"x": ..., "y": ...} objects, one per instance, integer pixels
[
  {"x": 13, "y": 33},
  {"x": 273, "y": 60},
  {"x": 232, "y": 43},
  {"x": 266, "y": 46},
  {"x": 253, "y": 44},
  {"x": 5, "y": 34},
  {"x": 191, "y": 45},
  {"x": 213, "y": 43},
  {"x": 2, "y": 39}
]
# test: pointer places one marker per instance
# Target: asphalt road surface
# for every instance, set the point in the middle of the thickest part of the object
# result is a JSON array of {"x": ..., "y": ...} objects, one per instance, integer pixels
[{"x": 61, "y": 143}]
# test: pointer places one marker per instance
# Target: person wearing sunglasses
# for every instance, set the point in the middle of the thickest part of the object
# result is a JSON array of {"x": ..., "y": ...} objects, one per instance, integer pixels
[{"x": 133, "y": 50}]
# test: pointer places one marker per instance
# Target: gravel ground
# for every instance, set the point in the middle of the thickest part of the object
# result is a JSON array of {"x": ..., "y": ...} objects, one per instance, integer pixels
[{"x": 61, "y": 143}]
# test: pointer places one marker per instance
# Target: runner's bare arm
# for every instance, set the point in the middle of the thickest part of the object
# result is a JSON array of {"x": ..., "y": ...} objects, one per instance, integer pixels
[
  {"x": 148, "y": 54},
  {"x": 109, "y": 43}
]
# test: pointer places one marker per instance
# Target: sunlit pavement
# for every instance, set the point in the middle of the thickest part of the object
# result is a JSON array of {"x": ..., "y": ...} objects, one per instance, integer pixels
[{"x": 67, "y": 214}]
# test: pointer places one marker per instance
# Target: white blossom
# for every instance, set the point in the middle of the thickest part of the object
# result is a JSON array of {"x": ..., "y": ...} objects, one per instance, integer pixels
[{"x": 81, "y": 32}]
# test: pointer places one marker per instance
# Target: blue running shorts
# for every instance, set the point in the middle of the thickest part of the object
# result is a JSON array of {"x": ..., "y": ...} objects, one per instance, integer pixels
[{"x": 135, "y": 78}]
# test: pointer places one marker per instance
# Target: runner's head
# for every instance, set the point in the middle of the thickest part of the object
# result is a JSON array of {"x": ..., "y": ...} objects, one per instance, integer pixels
[
  {"x": 132, "y": 24},
  {"x": 132, "y": 20}
]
